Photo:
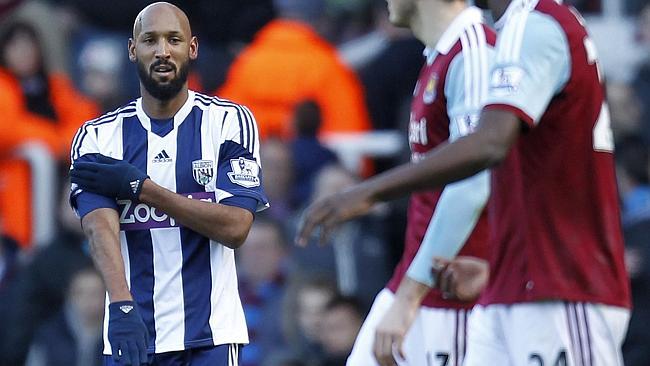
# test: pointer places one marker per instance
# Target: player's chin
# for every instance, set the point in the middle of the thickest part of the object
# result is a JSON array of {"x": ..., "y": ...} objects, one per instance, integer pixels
[
  {"x": 398, "y": 21},
  {"x": 163, "y": 79}
]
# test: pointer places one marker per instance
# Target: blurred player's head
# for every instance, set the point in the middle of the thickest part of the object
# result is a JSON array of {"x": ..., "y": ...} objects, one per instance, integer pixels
[
  {"x": 426, "y": 18},
  {"x": 401, "y": 12},
  {"x": 21, "y": 51},
  {"x": 162, "y": 47}
]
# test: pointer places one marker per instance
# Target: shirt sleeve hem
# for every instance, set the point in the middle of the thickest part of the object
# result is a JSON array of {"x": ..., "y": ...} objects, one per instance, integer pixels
[{"x": 528, "y": 120}]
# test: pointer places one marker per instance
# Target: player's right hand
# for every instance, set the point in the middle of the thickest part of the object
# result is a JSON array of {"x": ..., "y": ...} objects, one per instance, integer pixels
[
  {"x": 109, "y": 177},
  {"x": 462, "y": 278},
  {"x": 328, "y": 212},
  {"x": 127, "y": 334},
  {"x": 391, "y": 331}
]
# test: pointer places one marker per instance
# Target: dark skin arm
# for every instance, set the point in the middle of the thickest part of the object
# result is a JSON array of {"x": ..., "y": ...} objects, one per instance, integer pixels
[
  {"x": 226, "y": 224},
  {"x": 102, "y": 227},
  {"x": 448, "y": 163}
]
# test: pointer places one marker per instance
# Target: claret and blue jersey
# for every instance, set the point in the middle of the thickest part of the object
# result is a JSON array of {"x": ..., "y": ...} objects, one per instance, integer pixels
[{"x": 185, "y": 285}]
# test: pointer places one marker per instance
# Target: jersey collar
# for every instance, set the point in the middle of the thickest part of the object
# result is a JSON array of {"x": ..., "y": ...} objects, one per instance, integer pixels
[
  {"x": 179, "y": 117},
  {"x": 469, "y": 16}
]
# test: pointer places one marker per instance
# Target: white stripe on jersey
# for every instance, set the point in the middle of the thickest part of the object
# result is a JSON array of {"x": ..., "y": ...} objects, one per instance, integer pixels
[
  {"x": 168, "y": 300},
  {"x": 114, "y": 116},
  {"x": 476, "y": 76},
  {"x": 475, "y": 65},
  {"x": 243, "y": 114},
  {"x": 254, "y": 149},
  {"x": 511, "y": 38},
  {"x": 467, "y": 66},
  {"x": 483, "y": 64}
]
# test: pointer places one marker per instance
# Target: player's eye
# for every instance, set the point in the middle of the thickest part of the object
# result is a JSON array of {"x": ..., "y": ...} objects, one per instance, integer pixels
[{"x": 174, "y": 40}]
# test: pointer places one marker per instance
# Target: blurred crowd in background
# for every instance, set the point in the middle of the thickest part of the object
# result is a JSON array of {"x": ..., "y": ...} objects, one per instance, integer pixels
[{"x": 330, "y": 83}]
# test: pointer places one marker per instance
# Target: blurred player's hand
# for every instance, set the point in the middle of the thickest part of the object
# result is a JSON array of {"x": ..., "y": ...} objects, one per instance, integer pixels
[
  {"x": 391, "y": 331},
  {"x": 328, "y": 212},
  {"x": 462, "y": 278},
  {"x": 109, "y": 177}
]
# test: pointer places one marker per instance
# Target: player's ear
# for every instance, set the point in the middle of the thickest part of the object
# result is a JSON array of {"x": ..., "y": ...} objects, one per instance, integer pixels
[
  {"x": 194, "y": 48},
  {"x": 131, "y": 47}
]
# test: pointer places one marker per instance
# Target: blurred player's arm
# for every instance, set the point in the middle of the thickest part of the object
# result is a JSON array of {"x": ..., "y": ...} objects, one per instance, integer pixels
[
  {"x": 458, "y": 210},
  {"x": 450, "y": 162},
  {"x": 456, "y": 214},
  {"x": 520, "y": 89}
]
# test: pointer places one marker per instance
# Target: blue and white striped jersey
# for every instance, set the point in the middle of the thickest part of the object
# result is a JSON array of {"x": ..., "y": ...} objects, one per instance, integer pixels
[{"x": 185, "y": 285}]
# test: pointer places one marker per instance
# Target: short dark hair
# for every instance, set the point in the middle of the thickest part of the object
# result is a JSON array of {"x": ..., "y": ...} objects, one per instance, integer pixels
[
  {"x": 349, "y": 302},
  {"x": 307, "y": 118}
]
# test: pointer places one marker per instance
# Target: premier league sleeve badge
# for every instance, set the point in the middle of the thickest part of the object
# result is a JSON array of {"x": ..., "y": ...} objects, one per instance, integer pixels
[{"x": 244, "y": 172}]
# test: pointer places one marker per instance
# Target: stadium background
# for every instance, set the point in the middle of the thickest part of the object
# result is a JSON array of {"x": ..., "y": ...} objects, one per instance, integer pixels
[{"x": 330, "y": 82}]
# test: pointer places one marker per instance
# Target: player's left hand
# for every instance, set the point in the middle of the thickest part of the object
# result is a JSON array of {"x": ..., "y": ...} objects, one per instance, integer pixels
[
  {"x": 109, "y": 177},
  {"x": 462, "y": 278},
  {"x": 328, "y": 212},
  {"x": 391, "y": 331}
]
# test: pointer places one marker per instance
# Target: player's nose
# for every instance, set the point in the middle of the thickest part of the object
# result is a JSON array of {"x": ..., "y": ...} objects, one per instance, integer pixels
[{"x": 162, "y": 49}]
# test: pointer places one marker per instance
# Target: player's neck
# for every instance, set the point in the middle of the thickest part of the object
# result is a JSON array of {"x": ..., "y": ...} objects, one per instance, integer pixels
[
  {"x": 498, "y": 8},
  {"x": 162, "y": 109},
  {"x": 429, "y": 32}
]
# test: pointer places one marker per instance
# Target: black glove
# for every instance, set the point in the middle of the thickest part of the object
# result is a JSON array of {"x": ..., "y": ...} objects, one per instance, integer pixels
[
  {"x": 127, "y": 334},
  {"x": 109, "y": 177}
]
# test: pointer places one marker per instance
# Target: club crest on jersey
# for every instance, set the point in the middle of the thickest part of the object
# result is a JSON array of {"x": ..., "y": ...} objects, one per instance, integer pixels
[
  {"x": 202, "y": 171},
  {"x": 506, "y": 80},
  {"x": 430, "y": 90},
  {"x": 244, "y": 172}
]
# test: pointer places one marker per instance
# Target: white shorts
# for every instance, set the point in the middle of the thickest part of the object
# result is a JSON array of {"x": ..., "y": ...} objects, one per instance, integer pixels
[
  {"x": 550, "y": 333},
  {"x": 437, "y": 337}
]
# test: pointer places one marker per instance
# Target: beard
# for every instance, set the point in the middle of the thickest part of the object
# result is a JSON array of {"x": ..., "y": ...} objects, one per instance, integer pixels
[{"x": 163, "y": 91}]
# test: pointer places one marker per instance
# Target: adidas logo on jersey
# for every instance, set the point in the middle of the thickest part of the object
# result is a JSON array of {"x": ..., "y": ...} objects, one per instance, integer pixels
[
  {"x": 134, "y": 185},
  {"x": 162, "y": 157}
]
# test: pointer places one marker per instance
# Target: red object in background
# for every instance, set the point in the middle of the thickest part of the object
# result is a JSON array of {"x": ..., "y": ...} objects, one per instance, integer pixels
[{"x": 18, "y": 126}]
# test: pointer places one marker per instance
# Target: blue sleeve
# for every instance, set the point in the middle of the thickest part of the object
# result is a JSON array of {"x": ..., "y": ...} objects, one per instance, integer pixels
[
  {"x": 532, "y": 65},
  {"x": 84, "y": 202},
  {"x": 456, "y": 214},
  {"x": 246, "y": 203},
  {"x": 240, "y": 175},
  {"x": 466, "y": 87}
]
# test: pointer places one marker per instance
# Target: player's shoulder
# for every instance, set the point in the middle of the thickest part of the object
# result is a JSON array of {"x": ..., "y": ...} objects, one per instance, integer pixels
[
  {"x": 536, "y": 17},
  {"x": 226, "y": 113},
  {"x": 217, "y": 103},
  {"x": 528, "y": 26},
  {"x": 467, "y": 36},
  {"x": 113, "y": 116}
]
